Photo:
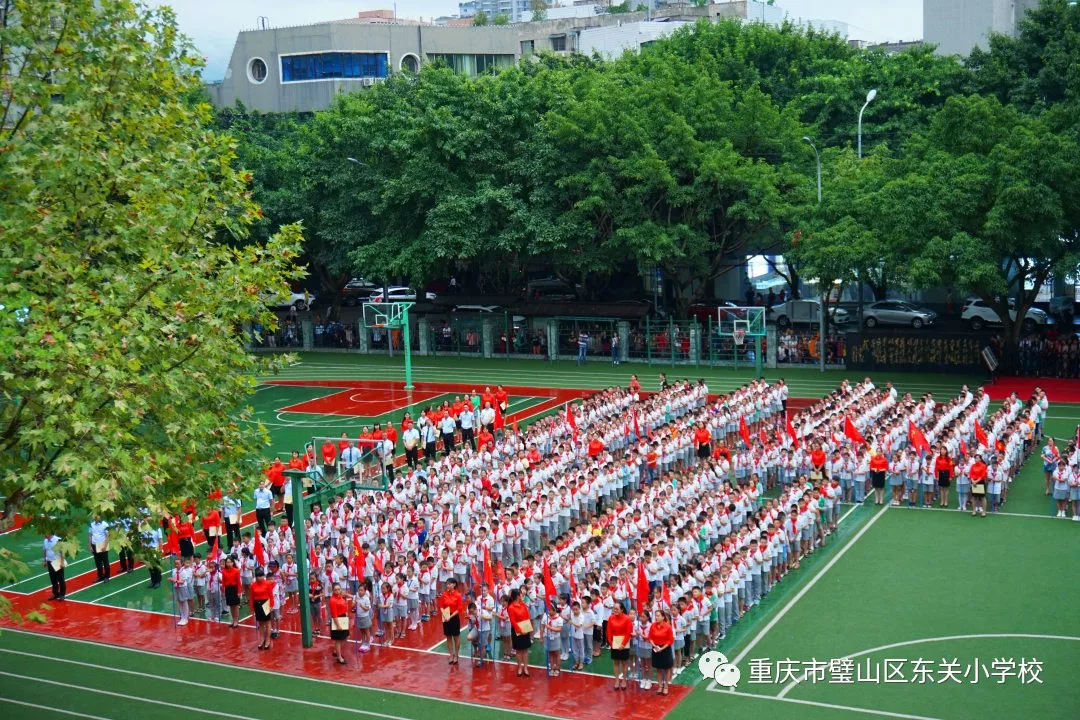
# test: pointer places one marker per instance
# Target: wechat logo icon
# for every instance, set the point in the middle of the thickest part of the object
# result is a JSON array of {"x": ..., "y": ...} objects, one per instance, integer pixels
[{"x": 715, "y": 665}]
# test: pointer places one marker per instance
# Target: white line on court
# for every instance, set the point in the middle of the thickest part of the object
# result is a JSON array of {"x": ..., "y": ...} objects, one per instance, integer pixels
[
  {"x": 53, "y": 709},
  {"x": 805, "y": 589},
  {"x": 41, "y": 575},
  {"x": 218, "y": 665},
  {"x": 926, "y": 641},
  {"x": 831, "y": 706},
  {"x": 989, "y": 514},
  {"x": 95, "y": 691}
]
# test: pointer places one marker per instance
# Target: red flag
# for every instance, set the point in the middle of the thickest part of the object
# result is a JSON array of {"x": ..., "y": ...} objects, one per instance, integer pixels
[
  {"x": 666, "y": 596},
  {"x": 637, "y": 428},
  {"x": 172, "y": 544},
  {"x": 852, "y": 433},
  {"x": 549, "y": 584},
  {"x": 475, "y": 575},
  {"x": 500, "y": 572},
  {"x": 791, "y": 433},
  {"x": 378, "y": 563},
  {"x": 215, "y": 555},
  {"x": 642, "y": 588},
  {"x": 500, "y": 423},
  {"x": 313, "y": 560},
  {"x": 980, "y": 436},
  {"x": 744, "y": 432},
  {"x": 917, "y": 439},
  {"x": 779, "y": 437},
  {"x": 763, "y": 437},
  {"x": 489, "y": 577},
  {"x": 963, "y": 448},
  {"x": 260, "y": 554},
  {"x": 573, "y": 587},
  {"x": 572, "y": 422}
]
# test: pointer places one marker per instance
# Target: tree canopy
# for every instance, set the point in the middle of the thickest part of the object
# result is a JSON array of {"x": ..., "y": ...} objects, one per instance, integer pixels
[{"x": 124, "y": 273}]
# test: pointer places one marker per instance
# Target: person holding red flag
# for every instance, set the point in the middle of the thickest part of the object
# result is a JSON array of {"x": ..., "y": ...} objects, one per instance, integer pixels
[{"x": 620, "y": 629}]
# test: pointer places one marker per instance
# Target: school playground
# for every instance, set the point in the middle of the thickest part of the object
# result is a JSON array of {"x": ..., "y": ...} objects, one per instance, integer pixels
[{"x": 906, "y": 613}]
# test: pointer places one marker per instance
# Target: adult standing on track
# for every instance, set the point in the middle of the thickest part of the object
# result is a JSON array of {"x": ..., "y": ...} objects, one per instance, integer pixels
[
  {"x": 261, "y": 593},
  {"x": 230, "y": 507},
  {"x": 230, "y": 583},
  {"x": 619, "y": 630},
  {"x": 977, "y": 473},
  {"x": 452, "y": 607},
  {"x": 943, "y": 469},
  {"x": 99, "y": 545},
  {"x": 521, "y": 631},
  {"x": 54, "y": 563},
  {"x": 410, "y": 437},
  {"x": 879, "y": 466},
  {"x": 662, "y": 638},
  {"x": 263, "y": 498},
  {"x": 339, "y": 622}
]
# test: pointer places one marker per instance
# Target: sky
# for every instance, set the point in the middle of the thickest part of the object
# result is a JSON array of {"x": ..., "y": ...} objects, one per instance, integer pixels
[{"x": 213, "y": 24}]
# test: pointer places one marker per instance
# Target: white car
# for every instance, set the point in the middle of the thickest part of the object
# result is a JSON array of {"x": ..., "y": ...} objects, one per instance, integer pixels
[
  {"x": 977, "y": 314},
  {"x": 299, "y": 300},
  {"x": 804, "y": 311},
  {"x": 399, "y": 293}
]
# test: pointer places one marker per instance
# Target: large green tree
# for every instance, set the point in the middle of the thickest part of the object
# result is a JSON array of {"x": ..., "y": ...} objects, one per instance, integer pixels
[
  {"x": 990, "y": 200},
  {"x": 123, "y": 384}
]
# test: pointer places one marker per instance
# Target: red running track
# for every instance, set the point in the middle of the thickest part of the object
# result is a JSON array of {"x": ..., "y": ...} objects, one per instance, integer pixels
[
  {"x": 1056, "y": 389},
  {"x": 572, "y": 695}
]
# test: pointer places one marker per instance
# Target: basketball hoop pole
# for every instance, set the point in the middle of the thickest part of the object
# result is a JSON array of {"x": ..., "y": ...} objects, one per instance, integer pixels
[{"x": 408, "y": 348}]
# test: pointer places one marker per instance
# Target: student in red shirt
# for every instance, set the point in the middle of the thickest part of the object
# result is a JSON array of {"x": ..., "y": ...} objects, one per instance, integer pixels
[
  {"x": 662, "y": 638},
  {"x": 451, "y": 608},
  {"x": 879, "y": 465},
  {"x": 230, "y": 584},
  {"x": 484, "y": 439},
  {"x": 596, "y": 446},
  {"x": 261, "y": 593},
  {"x": 619, "y": 628}
]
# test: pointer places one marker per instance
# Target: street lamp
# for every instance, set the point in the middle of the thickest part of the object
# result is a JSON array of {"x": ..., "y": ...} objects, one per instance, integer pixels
[
  {"x": 869, "y": 98},
  {"x": 817, "y": 159}
]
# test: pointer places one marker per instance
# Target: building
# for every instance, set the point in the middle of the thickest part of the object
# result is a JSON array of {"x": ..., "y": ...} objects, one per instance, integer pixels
[
  {"x": 515, "y": 10},
  {"x": 303, "y": 68},
  {"x": 957, "y": 26}
]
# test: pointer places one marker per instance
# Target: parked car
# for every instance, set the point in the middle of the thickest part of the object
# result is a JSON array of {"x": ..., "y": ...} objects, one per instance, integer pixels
[
  {"x": 400, "y": 293},
  {"x": 897, "y": 312},
  {"x": 804, "y": 311},
  {"x": 299, "y": 300},
  {"x": 977, "y": 314},
  {"x": 714, "y": 311},
  {"x": 358, "y": 290},
  {"x": 550, "y": 290}
]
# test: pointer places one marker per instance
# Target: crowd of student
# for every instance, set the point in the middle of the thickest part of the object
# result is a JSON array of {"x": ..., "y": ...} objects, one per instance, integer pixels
[{"x": 624, "y": 523}]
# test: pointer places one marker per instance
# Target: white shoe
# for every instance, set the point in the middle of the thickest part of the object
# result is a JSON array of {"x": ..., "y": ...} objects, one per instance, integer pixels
[
  {"x": 1076, "y": 518},
  {"x": 182, "y": 622}
]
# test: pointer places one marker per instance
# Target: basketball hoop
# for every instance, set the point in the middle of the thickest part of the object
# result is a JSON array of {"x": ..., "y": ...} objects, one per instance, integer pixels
[{"x": 739, "y": 336}]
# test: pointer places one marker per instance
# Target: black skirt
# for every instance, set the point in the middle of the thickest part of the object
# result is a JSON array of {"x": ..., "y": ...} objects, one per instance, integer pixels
[
  {"x": 521, "y": 641},
  {"x": 452, "y": 627},
  {"x": 663, "y": 660},
  {"x": 877, "y": 479},
  {"x": 232, "y": 596},
  {"x": 187, "y": 548},
  {"x": 943, "y": 479},
  {"x": 620, "y": 654},
  {"x": 260, "y": 614}
]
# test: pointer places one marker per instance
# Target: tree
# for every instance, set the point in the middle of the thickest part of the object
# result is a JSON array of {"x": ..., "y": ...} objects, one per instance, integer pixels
[
  {"x": 124, "y": 381},
  {"x": 990, "y": 200},
  {"x": 671, "y": 167},
  {"x": 480, "y": 19},
  {"x": 501, "y": 19},
  {"x": 539, "y": 10}
]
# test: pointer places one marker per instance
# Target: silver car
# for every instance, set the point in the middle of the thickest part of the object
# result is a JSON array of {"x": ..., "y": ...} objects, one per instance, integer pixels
[{"x": 897, "y": 312}]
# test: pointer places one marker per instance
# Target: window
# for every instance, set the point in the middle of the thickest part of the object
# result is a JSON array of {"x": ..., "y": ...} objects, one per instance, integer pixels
[
  {"x": 409, "y": 63},
  {"x": 472, "y": 64},
  {"x": 528, "y": 47},
  {"x": 257, "y": 71},
  {"x": 558, "y": 43},
  {"x": 330, "y": 65}
]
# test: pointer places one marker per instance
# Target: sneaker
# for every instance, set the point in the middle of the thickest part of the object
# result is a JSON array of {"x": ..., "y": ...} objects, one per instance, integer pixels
[
  {"x": 413, "y": 626},
  {"x": 365, "y": 648},
  {"x": 182, "y": 622}
]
